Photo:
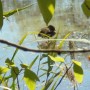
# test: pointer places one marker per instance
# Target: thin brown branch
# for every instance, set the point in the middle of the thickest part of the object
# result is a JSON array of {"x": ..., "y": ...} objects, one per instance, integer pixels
[{"x": 43, "y": 50}]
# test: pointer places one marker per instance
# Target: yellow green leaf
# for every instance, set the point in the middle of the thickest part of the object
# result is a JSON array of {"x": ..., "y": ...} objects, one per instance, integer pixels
[
  {"x": 78, "y": 71},
  {"x": 30, "y": 79},
  {"x": 3, "y": 70},
  {"x": 56, "y": 59},
  {"x": 76, "y": 62},
  {"x": 47, "y": 8}
]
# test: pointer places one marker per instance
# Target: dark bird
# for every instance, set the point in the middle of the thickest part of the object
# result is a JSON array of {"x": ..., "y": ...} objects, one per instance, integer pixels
[{"x": 47, "y": 32}]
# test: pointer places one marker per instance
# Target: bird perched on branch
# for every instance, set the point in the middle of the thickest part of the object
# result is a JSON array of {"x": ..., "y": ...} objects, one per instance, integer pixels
[{"x": 47, "y": 32}]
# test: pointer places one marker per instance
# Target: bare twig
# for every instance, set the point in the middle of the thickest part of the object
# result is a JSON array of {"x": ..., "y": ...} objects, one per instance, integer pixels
[
  {"x": 63, "y": 77},
  {"x": 43, "y": 50}
]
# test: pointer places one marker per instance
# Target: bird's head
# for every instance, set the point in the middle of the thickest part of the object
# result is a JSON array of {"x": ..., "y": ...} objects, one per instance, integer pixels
[{"x": 52, "y": 28}]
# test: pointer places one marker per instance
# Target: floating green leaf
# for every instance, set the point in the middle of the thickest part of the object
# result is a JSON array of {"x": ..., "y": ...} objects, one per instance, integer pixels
[
  {"x": 78, "y": 71},
  {"x": 1, "y": 15},
  {"x": 47, "y": 9},
  {"x": 3, "y": 70},
  {"x": 30, "y": 79},
  {"x": 86, "y": 7},
  {"x": 56, "y": 59}
]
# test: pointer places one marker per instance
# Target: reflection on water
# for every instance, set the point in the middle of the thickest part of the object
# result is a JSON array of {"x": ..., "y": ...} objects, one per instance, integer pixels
[{"x": 66, "y": 19}]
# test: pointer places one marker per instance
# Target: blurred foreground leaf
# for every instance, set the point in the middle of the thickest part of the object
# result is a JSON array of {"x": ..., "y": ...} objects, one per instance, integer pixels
[
  {"x": 47, "y": 8},
  {"x": 86, "y": 7}
]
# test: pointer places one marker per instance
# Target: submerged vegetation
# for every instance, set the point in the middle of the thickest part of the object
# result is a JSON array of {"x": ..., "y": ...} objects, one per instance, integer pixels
[{"x": 52, "y": 65}]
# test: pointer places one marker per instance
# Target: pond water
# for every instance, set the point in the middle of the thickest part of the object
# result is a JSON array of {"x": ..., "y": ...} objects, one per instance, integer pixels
[{"x": 30, "y": 20}]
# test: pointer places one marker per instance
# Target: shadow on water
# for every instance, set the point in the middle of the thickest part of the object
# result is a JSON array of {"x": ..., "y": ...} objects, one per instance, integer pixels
[{"x": 31, "y": 20}]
